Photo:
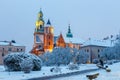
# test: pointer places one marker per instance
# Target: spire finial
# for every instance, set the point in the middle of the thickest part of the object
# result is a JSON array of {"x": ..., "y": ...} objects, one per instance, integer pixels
[
  {"x": 48, "y": 23},
  {"x": 69, "y": 34}
]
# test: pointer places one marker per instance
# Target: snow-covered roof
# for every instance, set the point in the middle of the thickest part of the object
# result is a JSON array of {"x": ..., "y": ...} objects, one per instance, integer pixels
[
  {"x": 5, "y": 43},
  {"x": 70, "y": 40},
  {"x": 104, "y": 43},
  {"x": 74, "y": 40}
]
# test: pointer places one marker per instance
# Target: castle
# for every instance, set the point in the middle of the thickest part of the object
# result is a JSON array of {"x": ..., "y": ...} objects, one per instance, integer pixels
[{"x": 44, "y": 39}]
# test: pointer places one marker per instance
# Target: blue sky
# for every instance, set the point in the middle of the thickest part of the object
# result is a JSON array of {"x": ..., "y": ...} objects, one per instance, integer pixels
[{"x": 88, "y": 18}]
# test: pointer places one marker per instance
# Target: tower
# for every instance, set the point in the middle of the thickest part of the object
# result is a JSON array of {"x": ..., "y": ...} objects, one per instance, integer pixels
[
  {"x": 69, "y": 34},
  {"x": 38, "y": 47},
  {"x": 43, "y": 36},
  {"x": 49, "y": 37}
]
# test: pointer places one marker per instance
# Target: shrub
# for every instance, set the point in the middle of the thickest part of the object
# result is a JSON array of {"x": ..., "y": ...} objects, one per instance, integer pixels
[
  {"x": 73, "y": 67},
  {"x": 55, "y": 69},
  {"x": 19, "y": 61}
]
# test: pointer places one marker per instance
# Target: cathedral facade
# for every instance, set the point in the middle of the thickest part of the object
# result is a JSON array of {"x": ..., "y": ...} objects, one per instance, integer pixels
[{"x": 44, "y": 37}]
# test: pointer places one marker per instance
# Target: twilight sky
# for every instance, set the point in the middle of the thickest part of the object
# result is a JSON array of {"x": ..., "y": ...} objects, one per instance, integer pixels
[{"x": 88, "y": 18}]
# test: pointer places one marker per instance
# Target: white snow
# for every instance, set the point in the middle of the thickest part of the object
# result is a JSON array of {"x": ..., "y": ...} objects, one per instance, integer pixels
[
  {"x": 44, "y": 72},
  {"x": 8, "y": 43},
  {"x": 103, "y": 75},
  {"x": 104, "y": 43},
  {"x": 74, "y": 40}
]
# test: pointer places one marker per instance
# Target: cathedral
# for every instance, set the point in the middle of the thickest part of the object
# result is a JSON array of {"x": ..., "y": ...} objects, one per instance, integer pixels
[{"x": 44, "y": 39}]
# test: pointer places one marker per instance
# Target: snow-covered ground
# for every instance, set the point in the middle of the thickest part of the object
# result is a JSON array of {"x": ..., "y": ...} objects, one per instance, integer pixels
[
  {"x": 44, "y": 72},
  {"x": 103, "y": 75}
]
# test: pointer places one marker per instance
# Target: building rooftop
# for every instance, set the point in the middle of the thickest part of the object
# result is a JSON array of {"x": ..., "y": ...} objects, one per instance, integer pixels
[
  {"x": 74, "y": 40},
  {"x": 5, "y": 43},
  {"x": 104, "y": 43}
]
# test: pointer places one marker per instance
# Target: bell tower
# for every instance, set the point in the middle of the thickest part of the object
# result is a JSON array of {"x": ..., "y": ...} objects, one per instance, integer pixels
[
  {"x": 49, "y": 37},
  {"x": 40, "y": 23},
  {"x": 38, "y": 47}
]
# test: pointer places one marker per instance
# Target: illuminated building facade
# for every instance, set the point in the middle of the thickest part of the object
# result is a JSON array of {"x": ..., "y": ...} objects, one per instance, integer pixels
[
  {"x": 44, "y": 39},
  {"x": 43, "y": 36}
]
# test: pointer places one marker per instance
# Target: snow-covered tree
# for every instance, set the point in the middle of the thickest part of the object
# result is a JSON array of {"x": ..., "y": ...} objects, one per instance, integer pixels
[
  {"x": 57, "y": 57},
  {"x": 26, "y": 65},
  {"x": 64, "y": 56},
  {"x": 82, "y": 57},
  {"x": 108, "y": 54},
  {"x": 17, "y": 61},
  {"x": 112, "y": 52},
  {"x": 117, "y": 48}
]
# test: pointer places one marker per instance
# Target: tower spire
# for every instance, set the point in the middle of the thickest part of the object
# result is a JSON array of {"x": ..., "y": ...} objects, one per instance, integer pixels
[
  {"x": 69, "y": 34},
  {"x": 40, "y": 22},
  {"x": 48, "y": 23}
]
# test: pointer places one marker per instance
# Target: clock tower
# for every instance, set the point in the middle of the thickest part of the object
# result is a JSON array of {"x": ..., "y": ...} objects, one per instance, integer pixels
[
  {"x": 43, "y": 36},
  {"x": 38, "y": 47}
]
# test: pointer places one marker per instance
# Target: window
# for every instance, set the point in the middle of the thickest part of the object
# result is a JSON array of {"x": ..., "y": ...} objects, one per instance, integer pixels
[
  {"x": 54, "y": 45},
  {"x": 39, "y": 46},
  {"x": 98, "y": 50},
  {"x": 87, "y": 50},
  {"x": 98, "y": 55},
  {"x": 2, "y": 54},
  {"x": 49, "y": 43},
  {"x": 9, "y": 49},
  {"x": 40, "y": 26},
  {"x": 37, "y": 39}
]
